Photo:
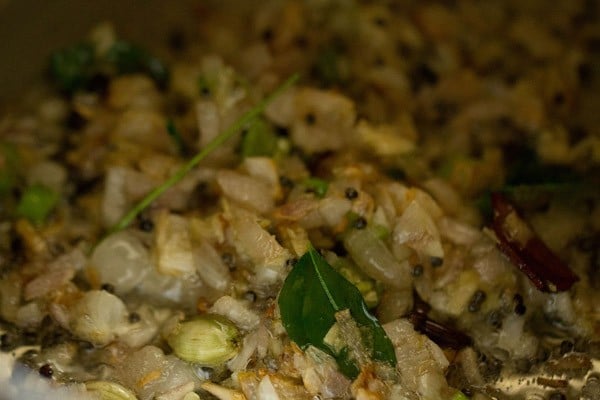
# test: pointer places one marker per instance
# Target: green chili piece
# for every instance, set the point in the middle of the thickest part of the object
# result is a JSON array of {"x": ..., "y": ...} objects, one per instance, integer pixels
[{"x": 36, "y": 203}]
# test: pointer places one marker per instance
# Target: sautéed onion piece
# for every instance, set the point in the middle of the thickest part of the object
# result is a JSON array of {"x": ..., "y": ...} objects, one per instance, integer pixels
[{"x": 187, "y": 226}]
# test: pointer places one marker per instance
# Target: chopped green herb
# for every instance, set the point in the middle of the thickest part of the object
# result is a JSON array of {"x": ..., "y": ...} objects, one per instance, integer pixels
[
  {"x": 176, "y": 136},
  {"x": 221, "y": 138},
  {"x": 36, "y": 203},
  {"x": 318, "y": 186},
  {"x": 71, "y": 67},
  {"x": 259, "y": 140},
  {"x": 311, "y": 295}
]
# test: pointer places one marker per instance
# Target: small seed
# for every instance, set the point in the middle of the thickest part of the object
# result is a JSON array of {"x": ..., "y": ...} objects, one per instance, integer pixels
[
  {"x": 495, "y": 319},
  {"x": 360, "y": 223},
  {"x": 146, "y": 225},
  {"x": 228, "y": 259},
  {"x": 417, "y": 270},
  {"x": 46, "y": 371},
  {"x": 250, "y": 296},
  {"x": 476, "y": 300},
  {"x": 436, "y": 261},
  {"x": 566, "y": 346},
  {"x": 520, "y": 308},
  {"x": 351, "y": 193}
]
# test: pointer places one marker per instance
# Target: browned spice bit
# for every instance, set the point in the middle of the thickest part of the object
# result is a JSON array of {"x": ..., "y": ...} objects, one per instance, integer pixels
[
  {"x": 570, "y": 365},
  {"x": 527, "y": 251},
  {"x": 443, "y": 335},
  {"x": 553, "y": 383}
]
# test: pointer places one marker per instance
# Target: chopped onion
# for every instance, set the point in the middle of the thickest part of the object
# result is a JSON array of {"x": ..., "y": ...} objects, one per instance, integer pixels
[
  {"x": 150, "y": 373},
  {"x": 29, "y": 315},
  {"x": 266, "y": 390},
  {"x": 372, "y": 255},
  {"x": 420, "y": 361},
  {"x": 174, "y": 246},
  {"x": 248, "y": 191},
  {"x": 98, "y": 317},
  {"x": 211, "y": 268},
  {"x": 265, "y": 169},
  {"x": 121, "y": 260},
  {"x": 320, "y": 374},
  {"x": 168, "y": 290},
  {"x": 333, "y": 210},
  {"x": 237, "y": 311},
  {"x": 394, "y": 304},
  {"x": 10, "y": 297},
  {"x": 515, "y": 340},
  {"x": 260, "y": 247},
  {"x": 416, "y": 228},
  {"x": 177, "y": 393},
  {"x": 114, "y": 201},
  {"x": 58, "y": 273},
  {"x": 48, "y": 282},
  {"x": 458, "y": 232}
]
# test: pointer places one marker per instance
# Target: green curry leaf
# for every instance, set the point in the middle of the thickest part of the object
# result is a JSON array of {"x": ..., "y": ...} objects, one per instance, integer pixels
[{"x": 310, "y": 297}]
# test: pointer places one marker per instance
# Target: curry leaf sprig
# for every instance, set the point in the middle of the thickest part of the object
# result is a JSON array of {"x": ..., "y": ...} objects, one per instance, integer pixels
[
  {"x": 311, "y": 296},
  {"x": 246, "y": 119}
]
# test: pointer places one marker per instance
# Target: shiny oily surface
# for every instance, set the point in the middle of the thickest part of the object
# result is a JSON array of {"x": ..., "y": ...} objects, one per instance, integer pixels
[{"x": 434, "y": 171}]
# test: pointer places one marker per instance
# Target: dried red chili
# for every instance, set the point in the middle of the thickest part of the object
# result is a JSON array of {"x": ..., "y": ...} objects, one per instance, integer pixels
[{"x": 526, "y": 250}]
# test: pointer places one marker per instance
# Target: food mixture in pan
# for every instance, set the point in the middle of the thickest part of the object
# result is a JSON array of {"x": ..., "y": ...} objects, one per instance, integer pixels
[{"x": 310, "y": 200}]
